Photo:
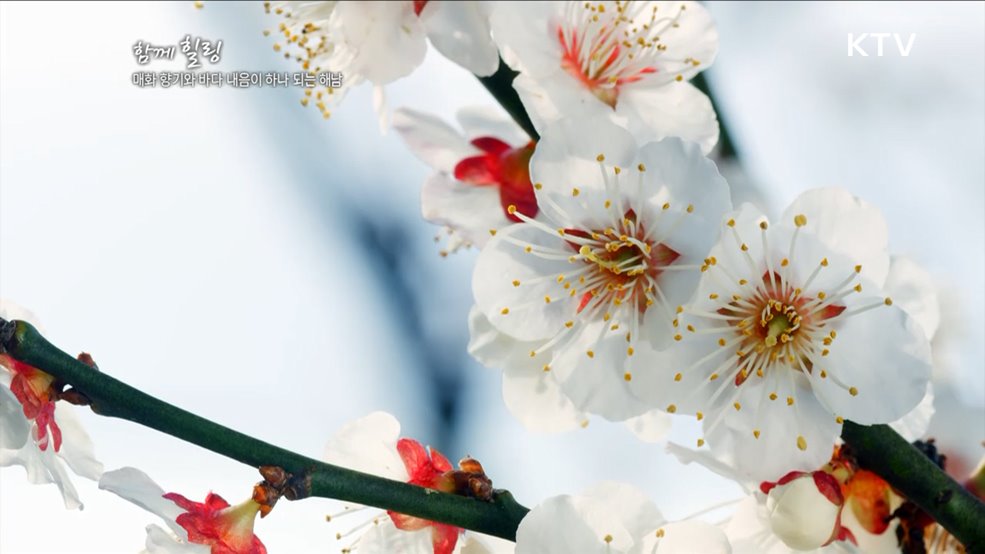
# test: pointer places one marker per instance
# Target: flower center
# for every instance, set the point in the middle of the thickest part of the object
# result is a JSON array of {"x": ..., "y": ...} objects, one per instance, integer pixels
[
  {"x": 774, "y": 325},
  {"x": 610, "y": 44},
  {"x": 625, "y": 261},
  {"x": 778, "y": 322}
]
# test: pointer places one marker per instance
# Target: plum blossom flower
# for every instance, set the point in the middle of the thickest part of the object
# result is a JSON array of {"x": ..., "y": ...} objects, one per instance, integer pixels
[
  {"x": 373, "y": 445},
  {"x": 589, "y": 288},
  {"x": 209, "y": 527},
  {"x": 628, "y": 61},
  {"x": 611, "y": 518},
  {"x": 478, "y": 173},
  {"x": 36, "y": 431},
  {"x": 790, "y": 332},
  {"x": 380, "y": 42}
]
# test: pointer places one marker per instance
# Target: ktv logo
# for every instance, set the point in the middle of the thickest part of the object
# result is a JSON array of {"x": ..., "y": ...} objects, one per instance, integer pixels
[{"x": 855, "y": 43}]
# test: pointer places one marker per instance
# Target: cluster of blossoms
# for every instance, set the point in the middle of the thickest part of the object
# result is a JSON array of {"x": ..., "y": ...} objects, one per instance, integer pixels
[{"x": 615, "y": 279}]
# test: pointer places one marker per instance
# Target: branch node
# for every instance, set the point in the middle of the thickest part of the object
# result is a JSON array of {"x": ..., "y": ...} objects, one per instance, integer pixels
[{"x": 7, "y": 329}]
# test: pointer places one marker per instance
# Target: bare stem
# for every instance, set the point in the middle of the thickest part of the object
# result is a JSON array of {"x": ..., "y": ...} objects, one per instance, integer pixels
[{"x": 113, "y": 398}]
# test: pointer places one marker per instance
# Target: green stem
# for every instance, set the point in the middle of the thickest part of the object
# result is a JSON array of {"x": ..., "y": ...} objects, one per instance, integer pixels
[
  {"x": 881, "y": 450},
  {"x": 500, "y": 85},
  {"x": 114, "y": 398}
]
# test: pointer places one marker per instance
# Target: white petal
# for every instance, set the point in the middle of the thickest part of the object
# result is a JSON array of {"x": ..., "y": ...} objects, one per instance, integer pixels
[
  {"x": 388, "y": 38},
  {"x": 677, "y": 172},
  {"x": 694, "y": 38},
  {"x": 528, "y": 316},
  {"x": 472, "y": 210},
  {"x": 913, "y": 426},
  {"x": 556, "y": 527},
  {"x": 778, "y": 450},
  {"x": 460, "y": 31},
  {"x": 885, "y": 356},
  {"x": 134, "y": 485},
  {"x": 633, "y": 509},
  {"x": 43, "y": 467},
  {"x": 607, "y": 518},
  {"x": 369, "y": 444},
  {"x": 525, "y": 34},
  {"x": 721, "y": 463},
  {"x": 747, "y": 527},
  {"x": 530, "y": 393},
  {"x": 385, "y": 538},
  {"x": 535, "y": 398},
  {"x": 652, "y": 426},
  {"x": 599, "y": 384},
  {"x": 554, "y": 96},
  {"x": 14, "y": 427},
  {"x": 673, "y": 110},
  {"x": 56, "y": 473},
  {"x": 912, "y": 288},
  {"x": 567, "y": 158},
  {"x": 485, "y": 121},
  {"x": 432, "y": 140},
  {"x": 160, "y": 541},
  {"x": 77, "y": 448},
  {"x": 847, "y": 225},
  {"x": 685, "y": 537}
]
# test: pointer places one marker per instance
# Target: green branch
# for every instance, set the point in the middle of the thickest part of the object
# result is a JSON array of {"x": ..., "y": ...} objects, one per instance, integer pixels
[
  {"x": 500, "y": 85},
  {"x": 113, "y": 398},
  {"x": 881, "y": 450}
]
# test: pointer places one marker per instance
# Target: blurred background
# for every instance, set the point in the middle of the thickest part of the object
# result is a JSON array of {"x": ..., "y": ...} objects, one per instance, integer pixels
[{"x": 230, "y": 252}]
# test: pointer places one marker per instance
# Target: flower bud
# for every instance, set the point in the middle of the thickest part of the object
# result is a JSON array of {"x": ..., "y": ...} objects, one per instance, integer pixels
[{"x": 805, "y": 509}]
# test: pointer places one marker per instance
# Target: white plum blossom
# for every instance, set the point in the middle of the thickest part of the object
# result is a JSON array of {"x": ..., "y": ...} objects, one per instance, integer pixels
[
  {"x": 790, "y": 332},
  {"x": 36, "y": 431},
  {"x": 628, "y": 61},
  {"x": 588, "y": 290},
  {"x": 612, "y": 518},
  {"x": 479, "y": 171},
  {"x": 380, "y": 42},
  {"x": 212, "y": 526},
  {"x": 373, "y": 445},
  {"x": 913, "y": 289}
]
